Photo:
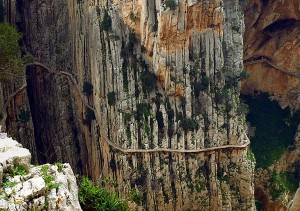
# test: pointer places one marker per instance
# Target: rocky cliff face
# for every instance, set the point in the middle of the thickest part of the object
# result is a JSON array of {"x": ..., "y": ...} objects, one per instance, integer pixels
[
  {"x": 25, "y": 187},
  {"x": 164, "y": 75},
  {"x": 271, "y": 52}
]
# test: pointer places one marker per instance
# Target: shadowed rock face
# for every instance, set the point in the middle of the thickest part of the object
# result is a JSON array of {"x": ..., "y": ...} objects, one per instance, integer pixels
[
  {"x": 272, "y": 30},
  {"x": 162, "y": 78}
]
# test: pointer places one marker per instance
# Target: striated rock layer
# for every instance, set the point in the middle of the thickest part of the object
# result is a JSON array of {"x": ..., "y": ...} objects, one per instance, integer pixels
[
  {"x": 271, "y": 56},
  {"x": 163, "y": 77}
]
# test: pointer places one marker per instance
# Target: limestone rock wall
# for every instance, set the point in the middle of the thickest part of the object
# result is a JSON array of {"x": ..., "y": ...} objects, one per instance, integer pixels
[
  {"x": 15, "y": 115},
  {"x": 272, "y": 31},
  {"x": 162, "y": 77},
  {"x": 25, "y": 187}
]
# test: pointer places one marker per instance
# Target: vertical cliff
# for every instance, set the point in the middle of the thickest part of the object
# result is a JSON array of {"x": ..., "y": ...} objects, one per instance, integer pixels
[
  {"x": 145, "y": 93},
  {"x": 271, "y": 54},
  {"x": 272, "y": 32}
]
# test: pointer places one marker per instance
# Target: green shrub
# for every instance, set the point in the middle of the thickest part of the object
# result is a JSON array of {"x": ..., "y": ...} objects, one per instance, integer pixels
[
  {"x": 170, "y": 4},
  {"x": 106, "y": 22},
  {"x": 189, "y": 124},
  {"x": 9, "y": 184},
  {"x": 19, "y": 170},
  {"x": 221, "y": 96},
  {"x": 125, "y": 79},
  {"x": 142, "y": 109},
  {"x": 11, "y": 65},
  {"x": 93, "y": 197},
  {"x": 132, "y": 16},
  {"x": 244, "y": 75},
  {"x": 48, "y": 178},
  {"x": 89, "y": 116},
  {"x": 87, "y": 88},
  {"x": 148, "y": 81},
  {"x": 250, "y": 155},
  {"x": 128, "y": 133},
  {"x": 111, "y": 98},
  {"x": 242, "y": 109},
  {"x": 130, "y": 44},
  {"x": 136, "y": 196},
  {"x": 201, "y": 85},
  {"x": 281, "y": 183},
  {"x": 231, "y": 81},
  {"x": 59, "y": 166}
]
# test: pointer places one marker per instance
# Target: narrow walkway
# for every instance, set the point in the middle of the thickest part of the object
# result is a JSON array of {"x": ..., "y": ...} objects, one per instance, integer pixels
[
  {"x": 104, "y": 136},
  {"x": 268, "y": 61}
]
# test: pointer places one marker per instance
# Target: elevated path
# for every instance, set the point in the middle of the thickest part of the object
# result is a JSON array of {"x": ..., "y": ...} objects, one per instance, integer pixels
[
  {"x": 269, "y": 62},
  {"x": 102, "y": 130}
]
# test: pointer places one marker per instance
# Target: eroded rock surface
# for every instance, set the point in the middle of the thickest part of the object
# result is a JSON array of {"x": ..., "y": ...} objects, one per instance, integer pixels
[
  {"x": 25, "y": 187},
  {"x": 163, "y": 76}
]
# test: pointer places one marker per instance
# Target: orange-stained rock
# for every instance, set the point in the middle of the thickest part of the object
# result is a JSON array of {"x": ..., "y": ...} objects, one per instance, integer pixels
[{"x": 273, "y": 31}]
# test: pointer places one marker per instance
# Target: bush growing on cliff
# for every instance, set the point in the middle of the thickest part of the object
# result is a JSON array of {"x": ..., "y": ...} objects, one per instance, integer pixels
[
  {"x": 18, "y": 170},
  {"x": 11, "y": 65},
  {"x": 87, "y": 88},
  {"x": 275, "y": 128},
  {"x": 111, "y": 98},
  {"x": 106, "y": 22},
  {"x": 244, "y": 75},
  {"x": 189, "y": 124},
  {"x": 142, "y": 109},
  {"x": 94, "y": 197},
  {"x": 282, "y": 183},
  {"x": 201, "y": 85},
  {"x": 89, "y": 116},
  {"x": 148, "y": 81},
  {"x": 170, "y": 4}
]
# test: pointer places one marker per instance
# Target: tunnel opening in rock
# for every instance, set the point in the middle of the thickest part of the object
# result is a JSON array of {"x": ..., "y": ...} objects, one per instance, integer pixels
[{"x": 281, "y": 24}]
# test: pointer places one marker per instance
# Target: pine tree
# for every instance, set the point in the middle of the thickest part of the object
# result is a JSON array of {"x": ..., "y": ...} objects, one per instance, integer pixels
[{"x": 11, "y": 64}]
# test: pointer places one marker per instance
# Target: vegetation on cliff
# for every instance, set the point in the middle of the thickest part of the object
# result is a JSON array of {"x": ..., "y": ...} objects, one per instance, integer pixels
[
  {"x": 275, "y": 128},
  {"x": 11, "y": 64},
  {"x": 94, "y": 197}
]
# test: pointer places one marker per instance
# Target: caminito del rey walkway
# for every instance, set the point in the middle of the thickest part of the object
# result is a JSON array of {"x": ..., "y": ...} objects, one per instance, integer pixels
[
  {"x": 104, "y": 136},
  {"x": 261, "y": 59}
]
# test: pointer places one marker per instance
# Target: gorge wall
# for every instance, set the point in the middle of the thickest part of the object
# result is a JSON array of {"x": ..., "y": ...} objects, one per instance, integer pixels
[
  {"x": 272, "y": 31},
  {"x": 127, "y": 89},
  {"x": 271, "y": 56}
]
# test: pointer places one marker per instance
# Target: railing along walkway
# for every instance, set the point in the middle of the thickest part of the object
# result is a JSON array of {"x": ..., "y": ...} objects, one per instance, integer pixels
[
  {"x": 104, "y": 136},
  {"x": 268, "y": 61}
]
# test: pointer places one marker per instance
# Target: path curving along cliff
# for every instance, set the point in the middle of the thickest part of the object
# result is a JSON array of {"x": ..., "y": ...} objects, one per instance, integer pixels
[
  {"x": 268, "y": 61},
  {"x": 104, "y": 136}
]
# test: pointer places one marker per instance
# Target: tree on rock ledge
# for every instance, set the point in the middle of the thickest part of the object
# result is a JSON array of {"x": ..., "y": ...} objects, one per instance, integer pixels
[{"x": 11, "y": 64}]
